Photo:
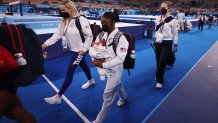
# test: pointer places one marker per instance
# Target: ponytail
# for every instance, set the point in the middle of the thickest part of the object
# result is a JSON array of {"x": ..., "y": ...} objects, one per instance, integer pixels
[{"x": 117, "y": 16}]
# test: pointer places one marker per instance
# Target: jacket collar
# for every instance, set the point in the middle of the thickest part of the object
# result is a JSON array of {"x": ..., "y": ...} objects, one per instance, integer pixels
[{"x": 113, "y": 33}]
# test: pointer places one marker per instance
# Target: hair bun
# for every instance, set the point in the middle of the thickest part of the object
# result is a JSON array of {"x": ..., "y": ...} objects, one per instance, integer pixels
[
  {"x": 112, "y": 15},
  {"x": 117, "y": 19}
]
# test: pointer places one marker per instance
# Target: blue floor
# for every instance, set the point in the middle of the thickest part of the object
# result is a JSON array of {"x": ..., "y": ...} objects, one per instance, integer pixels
[
  {"x": 194, "y": 100},
  {"x": 140, "y": 86}
]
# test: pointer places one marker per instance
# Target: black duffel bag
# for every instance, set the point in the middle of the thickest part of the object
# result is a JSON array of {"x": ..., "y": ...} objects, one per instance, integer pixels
[{"x": 25, "y": 45}]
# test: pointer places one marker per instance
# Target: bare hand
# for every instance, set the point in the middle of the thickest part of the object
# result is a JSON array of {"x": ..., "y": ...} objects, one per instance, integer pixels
[
  {"x": 174, "y": 48},
  {"x": 98, "y": 63},
  {"x": 44, "y": 46},
  {"x": 101, "y": 60},
  {"x": 82, "y": 52}
]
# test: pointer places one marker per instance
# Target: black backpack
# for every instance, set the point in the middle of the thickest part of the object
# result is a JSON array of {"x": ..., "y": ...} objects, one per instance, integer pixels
[
  {"x": 20, "y": 39},
  {"x": 79, "y": 27},
  {"x": 129, "y": 62}
]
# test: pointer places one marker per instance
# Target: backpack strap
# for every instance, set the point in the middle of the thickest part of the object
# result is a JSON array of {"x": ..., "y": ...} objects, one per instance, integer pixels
[
  {"x": 101, "y": 35},
  {"x": 166, "y": 20},
  {"x": 79, "y": 27},
  {"x": 12, "y": 38},
  {"x": 116, "y": 41},
  {"x": 19, "y": 38}
]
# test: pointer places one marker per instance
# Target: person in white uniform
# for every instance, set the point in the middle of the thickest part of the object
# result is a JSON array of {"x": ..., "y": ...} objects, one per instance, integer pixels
[
  {"x": 100, "y": 51},
  {"x": 201, "y": 21},
  {"x": 166, "y": 36},
  {"x": 188, "y": 26},
  {"x": 72, "y": 41},
  {"x": 181, "y": 18},
  {"x": 113, "y": 65}
]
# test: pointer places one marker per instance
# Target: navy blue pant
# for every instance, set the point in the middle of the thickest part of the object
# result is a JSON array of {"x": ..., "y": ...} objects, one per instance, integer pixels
[{"x": 71, "y": 69}]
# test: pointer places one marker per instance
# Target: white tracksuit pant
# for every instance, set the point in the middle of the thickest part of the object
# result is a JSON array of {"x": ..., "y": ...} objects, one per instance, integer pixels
[
  {"x": 114, "y": 86},
  {"x": 102, "y": 72},
  {"x": 181, "y": 26}
]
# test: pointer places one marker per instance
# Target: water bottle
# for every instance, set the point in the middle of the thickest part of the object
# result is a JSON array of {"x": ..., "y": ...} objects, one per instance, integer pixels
[{"x": 21, "y": 61}]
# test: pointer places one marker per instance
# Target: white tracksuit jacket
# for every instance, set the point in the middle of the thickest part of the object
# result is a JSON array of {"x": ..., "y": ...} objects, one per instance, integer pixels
[
  {"x": 169, "y": 30},
  {"x": 73, "y": 38},
  {"x": 114, "y": 61},
  {"x": 114, "y": 67}
]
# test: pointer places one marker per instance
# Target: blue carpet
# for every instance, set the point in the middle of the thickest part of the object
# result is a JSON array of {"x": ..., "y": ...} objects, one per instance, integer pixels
[
  {"x": 194, "y": 100},
  {"x": 140, "y": 86}
]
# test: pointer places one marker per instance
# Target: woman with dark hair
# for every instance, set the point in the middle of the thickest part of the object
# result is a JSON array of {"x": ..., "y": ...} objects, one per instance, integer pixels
[
  {"x": 201, "y": 20},
  {"x": 10, "y": 103},
  {"x": 113, "y": 64},
  {"x": 11, "y": 106}
]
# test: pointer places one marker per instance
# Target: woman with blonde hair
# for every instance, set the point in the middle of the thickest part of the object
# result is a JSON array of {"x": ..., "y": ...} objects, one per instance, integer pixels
[
  {"x": 76, "y": 40},
  {"x": 166, "y": 41}
]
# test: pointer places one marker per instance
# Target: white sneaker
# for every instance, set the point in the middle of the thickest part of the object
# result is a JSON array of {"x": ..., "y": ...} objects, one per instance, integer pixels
[
  {"x": 88, "y": 84},
  {"x": 56, "y": 99},
  {"x": 159, "y": 85},
  {"x": 121, "y": 102}
]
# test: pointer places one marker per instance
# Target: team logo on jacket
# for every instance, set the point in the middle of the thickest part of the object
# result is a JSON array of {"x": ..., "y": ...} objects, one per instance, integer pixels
[
  {"x": 87, "y": 27},
  {"x": 123, "y": 49}
]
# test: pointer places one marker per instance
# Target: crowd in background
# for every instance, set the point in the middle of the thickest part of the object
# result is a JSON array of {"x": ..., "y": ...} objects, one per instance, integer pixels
[{"x": 97, "y": 12}]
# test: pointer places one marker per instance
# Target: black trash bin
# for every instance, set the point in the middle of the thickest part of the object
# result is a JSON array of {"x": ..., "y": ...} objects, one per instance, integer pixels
[
  {"x": 149, "y": 33},
  {"x": 150, "y": 29}
]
